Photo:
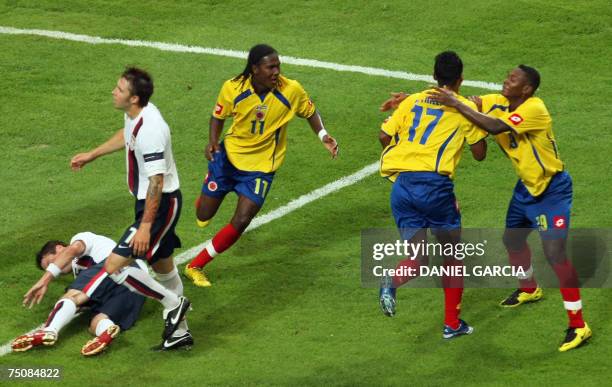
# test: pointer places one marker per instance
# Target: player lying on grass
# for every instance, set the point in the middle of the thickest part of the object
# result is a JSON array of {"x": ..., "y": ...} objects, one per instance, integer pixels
[
  {"x": 542, "y": 196},
  {"x": 113, "y": 307},
  {"x": 423, "y": 142},
  {"x": 261, "y": 103}
]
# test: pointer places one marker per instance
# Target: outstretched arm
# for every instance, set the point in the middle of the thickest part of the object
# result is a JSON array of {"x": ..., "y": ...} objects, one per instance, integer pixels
[
  {"x": 393, "y": 102},
  {"x": 38, "y": 291},
  {"x": 112, "y": 145},
  {"x": 316, "y": 123},
  {"x": 490, "y": 124}
]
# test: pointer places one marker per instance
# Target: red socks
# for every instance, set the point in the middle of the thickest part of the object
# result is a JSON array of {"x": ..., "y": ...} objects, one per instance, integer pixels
[{"x": 220, "y": 242}]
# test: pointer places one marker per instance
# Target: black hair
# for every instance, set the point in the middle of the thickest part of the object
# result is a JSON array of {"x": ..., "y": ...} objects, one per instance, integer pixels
[
  {"x": 256, "y": 54},
  {"x": 533, "y": 76},
  {"x": 448, "y": 68},
  {"x": 141, "y": 84},
  {"x": 48, "y": 248}
]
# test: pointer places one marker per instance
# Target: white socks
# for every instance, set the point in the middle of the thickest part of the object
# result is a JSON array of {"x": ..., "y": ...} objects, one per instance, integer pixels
[{"x": 63, "y": 312}]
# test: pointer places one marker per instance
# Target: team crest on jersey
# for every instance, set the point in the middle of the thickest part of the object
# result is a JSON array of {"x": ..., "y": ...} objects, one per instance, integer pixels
[
  {"x": 560, "y": 222},
  {"x": 516, "y": 119},
  {"x": 260, "y": 112},
  {"x": 218, "y": 108},
  {"x": 212, "y": 186}
]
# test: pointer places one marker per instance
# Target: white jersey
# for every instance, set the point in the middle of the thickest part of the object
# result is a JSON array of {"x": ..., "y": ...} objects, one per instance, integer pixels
[
  {"x": 97, "y": 249},
  {"x": 148, "y": 149}
]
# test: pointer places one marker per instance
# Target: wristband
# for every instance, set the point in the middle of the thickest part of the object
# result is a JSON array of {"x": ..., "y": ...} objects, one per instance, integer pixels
[
  {"x": 54, "y": 270},
  {"x": 322, "y": 133}
]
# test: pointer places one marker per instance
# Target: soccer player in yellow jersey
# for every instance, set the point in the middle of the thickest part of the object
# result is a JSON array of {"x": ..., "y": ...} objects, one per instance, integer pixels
[
  {"x": 423, "y": 141},
  {"x": 260, "y": 102},
  {"x": 543, "y": 194}
]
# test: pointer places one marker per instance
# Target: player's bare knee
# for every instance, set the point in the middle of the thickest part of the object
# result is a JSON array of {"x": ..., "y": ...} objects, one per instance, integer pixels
[
  {"x": 241, "y": 222},
  {"x": 163, "y": 266},
  {"x": 78, "y": 297}
]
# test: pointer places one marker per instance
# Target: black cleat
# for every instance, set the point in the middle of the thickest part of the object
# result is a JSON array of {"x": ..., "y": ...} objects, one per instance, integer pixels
[
  {"x": 174, "y": 317},
  {"x": 184, "y": 341}
]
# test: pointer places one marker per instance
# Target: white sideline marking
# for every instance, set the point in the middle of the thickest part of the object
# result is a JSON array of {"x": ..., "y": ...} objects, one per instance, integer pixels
[
  {"x": 292, "y": 205},
  {"x": 236, "y": 54}
]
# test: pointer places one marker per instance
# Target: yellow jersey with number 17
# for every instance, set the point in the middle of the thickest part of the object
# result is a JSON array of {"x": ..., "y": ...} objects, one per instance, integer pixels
[
  {"x": 427, "y": 137},
  {"x": 530, "y": 145},
  {"x": 257, "y": 138}
]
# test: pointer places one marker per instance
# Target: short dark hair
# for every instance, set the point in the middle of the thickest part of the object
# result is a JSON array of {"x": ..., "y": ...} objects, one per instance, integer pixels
[
  {"x": 533, "y": 76},
  {"x": 48, "y": 248},
  {"x": 256, "y": 54},
  {"x": 448, "y": 68},
  {"x": 141, "y": 84}
]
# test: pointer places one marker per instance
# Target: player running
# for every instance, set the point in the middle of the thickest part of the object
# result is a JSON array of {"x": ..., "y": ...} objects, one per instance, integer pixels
[
  {"x": 113, "y": 307},
  {"x": 261, "y": 102},
  {"x": 423, "y": 141},
  {"x": 542, "y": 196},
  {"x": 153, "y": 181}
]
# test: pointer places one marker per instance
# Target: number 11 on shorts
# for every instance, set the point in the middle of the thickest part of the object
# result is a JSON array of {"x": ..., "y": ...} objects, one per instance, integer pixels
[{"x": 261, "y": 186}]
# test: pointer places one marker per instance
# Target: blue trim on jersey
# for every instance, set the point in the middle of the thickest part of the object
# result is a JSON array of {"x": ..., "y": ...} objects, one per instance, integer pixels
[
  {"x": 443, "y": 147},
  {"x": 242, "y": 96},
  {"x": 276, "y": 136},
  {"x": 282, "y": 98},
  {"x": 537, "y": 156},
  {"x": 500, "y": 107}
]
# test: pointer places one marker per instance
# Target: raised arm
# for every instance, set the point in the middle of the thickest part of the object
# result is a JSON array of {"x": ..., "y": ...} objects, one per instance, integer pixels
[
  {"x": 113, "y": 144},
  {"x": 490, "y": 124}
]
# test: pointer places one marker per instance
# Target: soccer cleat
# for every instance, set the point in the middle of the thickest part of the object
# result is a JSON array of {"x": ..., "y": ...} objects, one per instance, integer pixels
[
  {"x": 387, "y": 297},
  {"x": 575, "y": 337},
  {"x": 174, "y": 316},
  {"x": 99, "y": 343},
  {"x": 34, "y": 339},
  {"x": 519, "y": 297},
  {"x": 463, "y": 329},
  {"x": 184, "y": 341},
  {"x": 202, "y": 223},
  {"x": 198, "y": 277}
]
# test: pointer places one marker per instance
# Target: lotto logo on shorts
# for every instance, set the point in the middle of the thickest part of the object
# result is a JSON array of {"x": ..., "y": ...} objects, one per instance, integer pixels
[
  {"x": 516, "y": 119},
  {"x": 559, "y": 222},
  {"x": 218, "y": 108},
  {"x": 212, "y": 186}
]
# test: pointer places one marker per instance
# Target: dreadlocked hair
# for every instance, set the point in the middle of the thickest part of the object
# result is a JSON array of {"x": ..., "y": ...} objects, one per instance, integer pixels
[{"x": 256, "y": 53}]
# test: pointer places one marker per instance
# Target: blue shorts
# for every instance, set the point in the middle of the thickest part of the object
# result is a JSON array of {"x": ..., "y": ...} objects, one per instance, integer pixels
[
  {"x": 549, "y": 212},
  {"x": 163, "y": 236},
  {"x": 424, "y": 200},
  {"x": 116, "y": 301},
  {"x": 223, "y": 177}
]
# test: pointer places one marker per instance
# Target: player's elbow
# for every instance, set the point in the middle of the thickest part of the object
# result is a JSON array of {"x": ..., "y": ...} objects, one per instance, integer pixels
[{"x": 384, "y": 138}]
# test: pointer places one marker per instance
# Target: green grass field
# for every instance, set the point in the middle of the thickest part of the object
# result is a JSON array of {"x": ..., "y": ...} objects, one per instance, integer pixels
[{"x": 287, "y": 306}]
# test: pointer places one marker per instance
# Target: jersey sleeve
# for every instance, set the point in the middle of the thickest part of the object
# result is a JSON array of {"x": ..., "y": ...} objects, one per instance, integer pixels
[
  {"x": 87, "y": 239},
  {"x": 223, "y": 106},
  {"x": 393, "y": 124},
  {"x": 152, "y": 143},
  {"x": 305, "y": 106},
  {"x": 531, "y": 115},
  {"x": 471, "y": 132}
]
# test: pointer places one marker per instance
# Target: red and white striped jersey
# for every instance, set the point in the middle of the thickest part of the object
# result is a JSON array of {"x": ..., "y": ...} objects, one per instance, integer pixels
[{"x": 148, "y": 149}]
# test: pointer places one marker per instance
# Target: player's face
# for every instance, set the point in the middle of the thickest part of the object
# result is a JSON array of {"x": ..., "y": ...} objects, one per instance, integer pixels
[
  {"x": 50, "y": 258},
  {"x": 267, "y": 71},
  {"x": 122, "y": 96},
  {"x": 516, "y": 84}
]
